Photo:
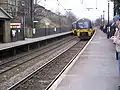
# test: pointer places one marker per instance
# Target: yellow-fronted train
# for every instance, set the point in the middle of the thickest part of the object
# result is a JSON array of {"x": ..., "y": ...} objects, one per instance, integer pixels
[{"x": 83, "y": 28}]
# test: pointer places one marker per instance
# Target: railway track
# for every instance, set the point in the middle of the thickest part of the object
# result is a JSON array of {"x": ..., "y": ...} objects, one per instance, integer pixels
[
  {"x": 9, "y": 72},
  {"x": 10, "y": 59},
  {"x": 43, "y": 77},
  {"x": 6, "y": 66}
]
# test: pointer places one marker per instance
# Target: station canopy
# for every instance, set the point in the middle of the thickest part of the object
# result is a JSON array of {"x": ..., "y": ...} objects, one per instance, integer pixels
[{"x": 4, "y": 14}]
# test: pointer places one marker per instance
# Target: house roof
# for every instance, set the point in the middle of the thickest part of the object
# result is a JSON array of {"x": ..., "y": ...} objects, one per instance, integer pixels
[{"x": 4, "y": 14}]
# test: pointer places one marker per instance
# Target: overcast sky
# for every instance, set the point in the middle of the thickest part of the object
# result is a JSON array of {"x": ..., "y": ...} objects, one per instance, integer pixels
[{"x": 79, "y": 9}]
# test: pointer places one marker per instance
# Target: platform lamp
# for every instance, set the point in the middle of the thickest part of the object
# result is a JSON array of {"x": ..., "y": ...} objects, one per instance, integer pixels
[
  {"x": 103, "y": 17},
  {"x": 31, "y": 16},
  {"x": 108, "y": 11},
  {"x": 23, "y": 20},
  {"x": 108, "y": 28},
  {"x": 115, "y": 2}
]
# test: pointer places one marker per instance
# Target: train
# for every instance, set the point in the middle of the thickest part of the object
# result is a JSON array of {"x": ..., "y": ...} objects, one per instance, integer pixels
[
  {"x": 83, "y": 28},
  {"x": 74, "y": 28}
]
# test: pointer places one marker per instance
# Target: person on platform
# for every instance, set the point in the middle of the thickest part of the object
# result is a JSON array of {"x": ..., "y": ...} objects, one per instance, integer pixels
[{"x": 116, "y": 40}]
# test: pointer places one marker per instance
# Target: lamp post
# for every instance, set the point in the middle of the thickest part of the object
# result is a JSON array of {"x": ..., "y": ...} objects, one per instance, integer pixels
[
  {"x": 96, "y": 4},
  {"x": 108, "y": 12},
  {"x": 103, "y": 18},
  {"x": 31, "y": 16},
  {"x": 114, "y": 7},
  {"x": 108, "y": 28},
  {"x": 23, "y": 21}
]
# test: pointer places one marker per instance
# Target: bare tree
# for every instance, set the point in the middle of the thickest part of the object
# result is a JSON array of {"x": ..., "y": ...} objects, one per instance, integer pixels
[{"x": 71, "y": 16}]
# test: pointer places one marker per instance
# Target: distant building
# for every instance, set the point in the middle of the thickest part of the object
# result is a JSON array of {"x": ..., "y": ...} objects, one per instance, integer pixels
[{"x": 11, "y": 6}]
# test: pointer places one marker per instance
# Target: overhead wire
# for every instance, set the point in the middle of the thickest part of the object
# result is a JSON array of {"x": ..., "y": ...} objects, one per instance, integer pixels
[
  {"x": 65, "y": 8},
  {"x": 81, "y": 1},
  {"x": 61, "y": 4}
]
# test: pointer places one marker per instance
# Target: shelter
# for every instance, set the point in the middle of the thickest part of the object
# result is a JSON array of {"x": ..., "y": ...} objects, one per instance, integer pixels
[{"x": 5, "y": 35}]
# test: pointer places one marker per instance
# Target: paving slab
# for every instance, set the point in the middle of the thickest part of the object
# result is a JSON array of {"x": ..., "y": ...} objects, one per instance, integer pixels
[{"x": 95, "y": 69}]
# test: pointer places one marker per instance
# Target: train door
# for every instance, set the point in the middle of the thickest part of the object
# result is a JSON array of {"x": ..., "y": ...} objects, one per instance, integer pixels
[{"x": 1, "y": 30}]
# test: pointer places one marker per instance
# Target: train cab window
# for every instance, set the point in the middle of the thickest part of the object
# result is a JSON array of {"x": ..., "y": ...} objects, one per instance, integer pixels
[
  {"x": 83, "y": 25},
  {"x": 86, "y": 24},
  {"x": 80, "y": 25},
  {"x": 74, "y": 26}
]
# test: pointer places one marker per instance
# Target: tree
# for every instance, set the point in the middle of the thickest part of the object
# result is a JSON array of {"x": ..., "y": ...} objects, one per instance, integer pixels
[
  {"x": 71, "y": 16},
  {"x": 98, "y": 21},
  {"x": 116, "y": 7}
]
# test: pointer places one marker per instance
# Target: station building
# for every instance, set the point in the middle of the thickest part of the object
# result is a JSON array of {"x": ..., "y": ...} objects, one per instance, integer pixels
[{"x": 5, "y": 34}]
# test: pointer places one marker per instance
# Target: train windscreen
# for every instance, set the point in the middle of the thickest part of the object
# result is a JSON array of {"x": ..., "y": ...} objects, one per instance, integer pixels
[
  {"x": 74, "y": 26},
  {"x": 83, "y": 25}
]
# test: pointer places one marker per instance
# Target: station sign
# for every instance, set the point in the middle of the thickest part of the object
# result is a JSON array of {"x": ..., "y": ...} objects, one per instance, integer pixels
[{"x": 15, "y": 25}]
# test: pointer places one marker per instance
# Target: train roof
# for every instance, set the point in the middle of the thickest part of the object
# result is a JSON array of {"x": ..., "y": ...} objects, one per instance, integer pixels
[
  {"x": 83, "y": 19},
  {"x": 74, "y": 22}
]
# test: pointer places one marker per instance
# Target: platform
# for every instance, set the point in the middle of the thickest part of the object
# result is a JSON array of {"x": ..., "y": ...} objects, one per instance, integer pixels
[
  {"x": 95, "y": 69},
  {"x": 30, "y": 40}
]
